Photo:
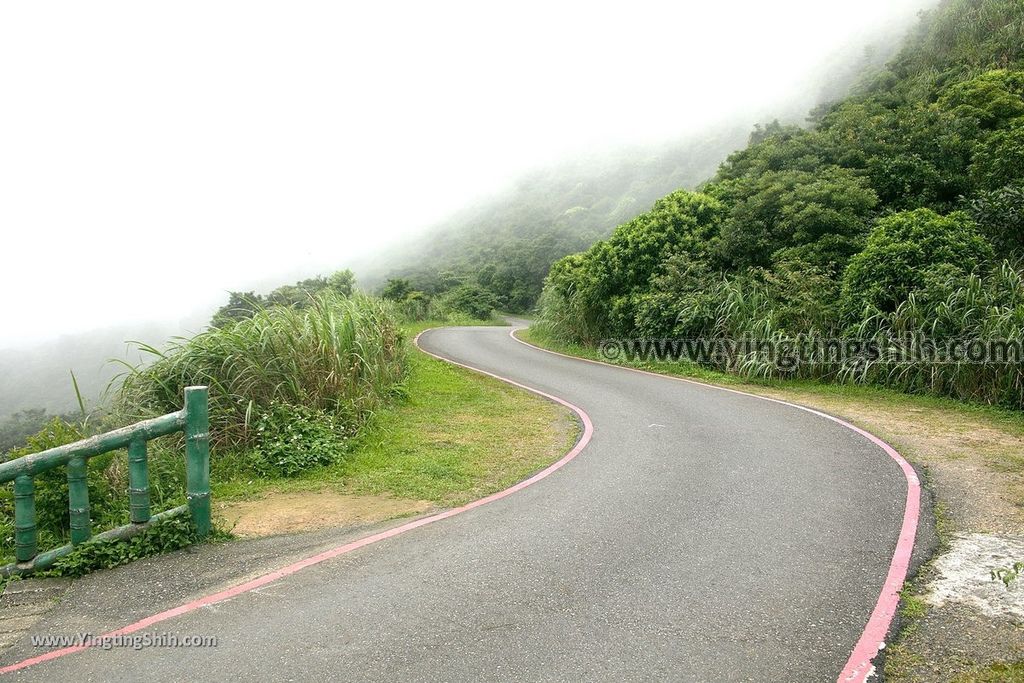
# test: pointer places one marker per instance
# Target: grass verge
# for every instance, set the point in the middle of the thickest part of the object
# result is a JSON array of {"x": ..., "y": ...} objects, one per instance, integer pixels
[
  {"x": 452, "y": 437},
  {"x": 446, "y": 437},
  {"x": 999, "y": 672}
]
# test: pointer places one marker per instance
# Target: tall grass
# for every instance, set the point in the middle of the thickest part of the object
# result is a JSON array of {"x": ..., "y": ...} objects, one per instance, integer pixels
[
  {"x": 567, "y": 315},
  {"x": 989, "y": 308},
  {"x": 342, "y": 356},
  {"x": 985, "y": 308},
  {"x": 980, "y": 309}
]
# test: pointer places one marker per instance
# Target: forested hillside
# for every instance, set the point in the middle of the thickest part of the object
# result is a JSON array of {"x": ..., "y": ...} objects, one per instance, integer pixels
[
  {"x": 498, "y": 251},
  {"x": 506, "y": 244},
  {"x": 900, "y": 211}
]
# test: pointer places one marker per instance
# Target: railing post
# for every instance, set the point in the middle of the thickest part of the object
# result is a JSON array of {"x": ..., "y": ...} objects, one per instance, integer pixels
[
  {"x": 138, "y": 481},
  {"x": 197, "y": 457},
  {"x": 78, "y": 500},
  {"x": 26, "y": 537}
]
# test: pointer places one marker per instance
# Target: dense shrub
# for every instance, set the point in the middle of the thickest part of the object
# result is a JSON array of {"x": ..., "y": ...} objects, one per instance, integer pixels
[
  {"x": 169, "y": 535},
  {"x": 468, "y": 299},
  {"x": 989, "y": 308},
  {"x": 993, "y": 98},
  {"x": 999, "y": 161},
  {"x": 682, "y": 300},
  {"x": 291, "y": 439},
  {"x": 51, "y": 488},
  {"x": 1000, "y": 216}
]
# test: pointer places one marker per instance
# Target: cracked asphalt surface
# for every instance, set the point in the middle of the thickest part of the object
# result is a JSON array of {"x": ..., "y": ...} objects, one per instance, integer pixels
[{"x": 701, "y": 536}]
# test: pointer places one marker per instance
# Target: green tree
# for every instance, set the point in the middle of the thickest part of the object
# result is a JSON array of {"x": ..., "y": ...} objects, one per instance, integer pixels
[
  {"x": 909, "y": 253},
  {"x": 15, "y": 428},
  {"x": 774, "y": 148},
  {"x": 342, "y": 282},
  {"x": 396, "y": 289},
  {"x": 825, "y": 213},
  {"x": 240, "y": 305},
  {"x": 287, "y": 295},
  {"x": 597, "y": 292}
]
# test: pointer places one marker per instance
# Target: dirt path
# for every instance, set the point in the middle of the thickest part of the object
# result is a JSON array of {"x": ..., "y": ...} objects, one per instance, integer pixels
[{"x": 281, "y": 513}]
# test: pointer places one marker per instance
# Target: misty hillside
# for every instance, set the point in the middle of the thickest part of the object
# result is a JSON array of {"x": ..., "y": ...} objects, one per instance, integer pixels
[
  {"x": 898, "y": 213},
  {"x": 40, "y": 376},
  {"x": 506, "y": 244},
  {"x": 511, "y": 240}
]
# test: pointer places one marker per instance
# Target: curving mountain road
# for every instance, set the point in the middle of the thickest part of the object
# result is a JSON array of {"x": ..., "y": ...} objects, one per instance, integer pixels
[{"x": 701, "y": 535}]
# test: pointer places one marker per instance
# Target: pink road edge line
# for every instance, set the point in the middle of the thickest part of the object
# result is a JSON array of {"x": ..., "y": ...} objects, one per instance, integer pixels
[
  {"x": 270, "y": 577},
  {"x": 859, "y": 667}
]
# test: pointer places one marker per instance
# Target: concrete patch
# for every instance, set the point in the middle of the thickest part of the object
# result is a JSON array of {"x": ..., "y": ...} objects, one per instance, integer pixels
[
  {"x": 33, "y": 592},
  {"x": 19, "y": 624},
  {"x": 963, "y": 575},
  {"x": 24, "y": 603}
]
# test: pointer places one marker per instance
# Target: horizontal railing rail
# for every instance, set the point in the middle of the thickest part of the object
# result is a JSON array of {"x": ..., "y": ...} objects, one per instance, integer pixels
[{"x": 193, "y": 420}]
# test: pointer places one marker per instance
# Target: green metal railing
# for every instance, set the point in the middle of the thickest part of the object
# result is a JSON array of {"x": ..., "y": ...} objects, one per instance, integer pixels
[{"x": 193, "y": 420}]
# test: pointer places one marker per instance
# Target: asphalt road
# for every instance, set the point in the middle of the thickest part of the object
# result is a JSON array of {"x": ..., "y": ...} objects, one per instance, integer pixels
[{"x": 700, "y": 536}]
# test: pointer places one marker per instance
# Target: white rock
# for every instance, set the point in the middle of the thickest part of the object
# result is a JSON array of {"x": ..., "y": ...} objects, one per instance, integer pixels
[{"x": 964, "y": 575}]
